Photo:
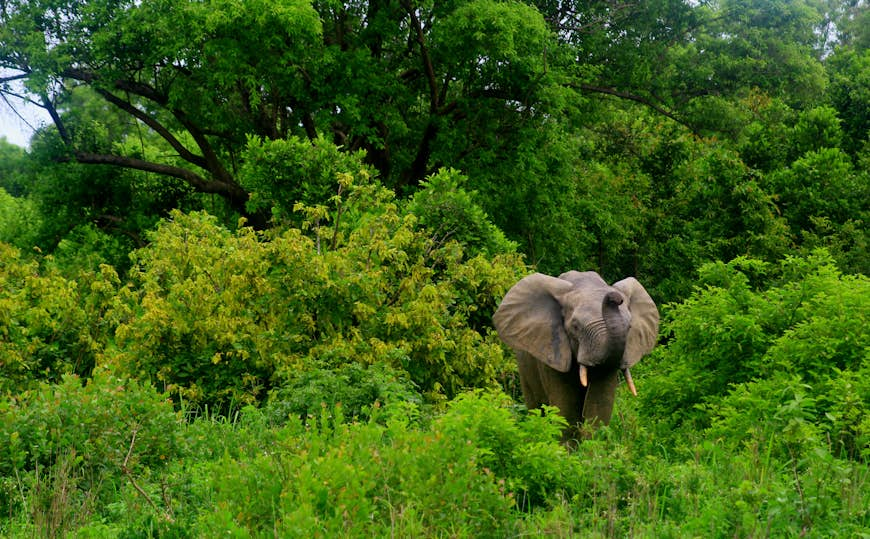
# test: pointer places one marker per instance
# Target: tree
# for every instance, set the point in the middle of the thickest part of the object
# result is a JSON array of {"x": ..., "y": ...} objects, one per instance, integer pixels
[
  {"x": 684, "y": 60},
  {"x": 387, "y": 77},
  {"x": 203, "y": 76},
  {"x": 200, "y": 76},
  {"x": 530, "y": 101},
  {"x": 221, "y": 317},
  {"x": 754, "y": 336},
  {"x": 12, "y": 159},
  {"x": 849, "y": 70}
]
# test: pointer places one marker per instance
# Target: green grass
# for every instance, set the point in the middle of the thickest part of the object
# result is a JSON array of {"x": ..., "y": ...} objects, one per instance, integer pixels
[{"x": 480, "y": 468}]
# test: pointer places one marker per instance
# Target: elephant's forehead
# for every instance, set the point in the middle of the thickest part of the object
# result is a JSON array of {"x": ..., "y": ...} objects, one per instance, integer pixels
[{"x": 587, "y": 296}]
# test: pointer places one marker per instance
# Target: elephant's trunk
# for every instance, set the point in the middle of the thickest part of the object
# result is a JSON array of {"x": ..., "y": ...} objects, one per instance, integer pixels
[
  {"x": 617, "y": 330},
  {"x": 617, "y": 327},
  {"x": 610, "y": 349},
  {"x": 598, "y": 404}
]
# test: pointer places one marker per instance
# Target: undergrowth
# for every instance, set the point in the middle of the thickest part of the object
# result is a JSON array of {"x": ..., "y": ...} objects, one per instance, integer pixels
[{"x": 480, "y": 468}]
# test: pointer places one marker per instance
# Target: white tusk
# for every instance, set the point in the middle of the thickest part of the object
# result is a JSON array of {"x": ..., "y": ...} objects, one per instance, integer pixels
[
  {"x": 630, "y": 382},
  {"x": 584, "y": 380}
]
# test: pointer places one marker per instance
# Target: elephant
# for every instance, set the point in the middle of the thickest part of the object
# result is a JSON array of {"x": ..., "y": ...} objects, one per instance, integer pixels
[{"x": 572, "y": 335}]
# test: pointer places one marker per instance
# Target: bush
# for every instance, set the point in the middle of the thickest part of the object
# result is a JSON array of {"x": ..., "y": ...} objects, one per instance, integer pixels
[
  {"x": 71, "y": 446},
  {"x": 774, "y": 356},
  {"x": 104, "y": 421},
  {"x": 220, "y": 317},
  {"x": 355, "y": 480},
  {"x": 449, "y": 213},
  {"x": 281, "y": 173},
  {"x": 86, "y": 247},
  {"x": 523, "y": 452},
  {"x": 358, "y": 389},
  {"x": 49, "y": 325}
]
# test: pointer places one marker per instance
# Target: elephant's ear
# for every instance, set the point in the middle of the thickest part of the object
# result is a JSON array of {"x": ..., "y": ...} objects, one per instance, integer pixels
[
  {"x": 530, "y": 318},
  {"x": 644, "y": 321}
]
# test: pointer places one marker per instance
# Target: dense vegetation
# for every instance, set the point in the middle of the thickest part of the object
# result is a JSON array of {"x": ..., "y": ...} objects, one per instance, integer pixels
[{"x": 247, "y": 274}]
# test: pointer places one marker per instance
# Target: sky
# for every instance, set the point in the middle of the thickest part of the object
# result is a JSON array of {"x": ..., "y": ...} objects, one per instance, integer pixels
[{"x": 16, "y": 130}]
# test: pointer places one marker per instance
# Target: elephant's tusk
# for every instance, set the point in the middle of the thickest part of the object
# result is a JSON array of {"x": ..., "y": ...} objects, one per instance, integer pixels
[
  {"x": 584, "y": 379},
  {"x": 629, "y": 381}
]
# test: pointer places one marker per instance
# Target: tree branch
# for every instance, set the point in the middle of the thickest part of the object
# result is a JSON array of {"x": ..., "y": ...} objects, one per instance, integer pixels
[
  {"x": 417, "y": 171},
  {"x": 428, "y": 67},
  {"x": 125, "y": 468},
  {"x": 191, "y": 178},
  {"x": 137, "y": 88},
  {"x": 155, "y": 126},
  {"x": 213, "y": 163},
  {"x": 209, "y": 159},
  {"x": 5, "y": 97},
  {"x": 591, "y": 88},
  {"x": 55, "y": 117},
  {"x": 13, "y": 78}
]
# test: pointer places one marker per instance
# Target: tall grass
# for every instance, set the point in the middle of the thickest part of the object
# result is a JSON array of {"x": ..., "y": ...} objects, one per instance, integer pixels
[{"x": 480, "y": 468}]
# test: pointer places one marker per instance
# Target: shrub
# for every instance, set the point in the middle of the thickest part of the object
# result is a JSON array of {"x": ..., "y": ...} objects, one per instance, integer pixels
[
  {"x": 775, "y": 356},
  {"x": 104, "y": 421},
  {"x": 70, "y": 447},
  {"x": 220, "y": 317},
  {"x": 281, "y": 173},
  {"x": 357, "y": 388},
  {"x": 524, "y": 452},
  {"x": 355, "y": 480},
  {"x": 449, "y": 213},
  {"x": 49, "y": 325},
  {"x": 197, "y": 320}
]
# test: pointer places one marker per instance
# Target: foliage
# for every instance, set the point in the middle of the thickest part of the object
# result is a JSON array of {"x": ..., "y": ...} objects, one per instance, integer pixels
[
  {"x": 849, "y": 68},
  {"x": 823, "y": 197},
  {"x": 522, "y": 453},
  {"x": 281, "y": 173},
  {"x": 821, "y": 184},
  {"x": 759, "y": 343},
  {"x": 478, "y": 469},
  {"x": 817, "y": 128},
  {"x": 51, "y": 325},
  {"x": 86, "y": 247},
  {"x": 12, "y": 158},
  {"x": 362, "y": 479},
  {"x": 530, "y": 100},
  {"x": 710, "y": 206},
  {"x": 220, "y": 317},
  {"x": 323, "y": 202},
  {"x": 449, "y": 213},
  {"x": 533, "y": 197},
  {"x": 766, "y": 141},
  {"x": 20, "y": 221},
  {"x": 360, "y": 391},
  {"x": 73, "y": 444},
  {"x": 96, "y": 420}
]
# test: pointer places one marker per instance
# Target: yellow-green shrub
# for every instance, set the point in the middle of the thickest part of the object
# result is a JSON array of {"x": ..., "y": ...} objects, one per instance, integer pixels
[
  {"x": 49, "y": 324},
  {"x": 221, "y": 316}
]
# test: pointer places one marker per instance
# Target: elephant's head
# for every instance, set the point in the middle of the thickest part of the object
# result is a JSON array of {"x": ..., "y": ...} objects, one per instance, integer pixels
[{"x": 578, "y": 317}]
